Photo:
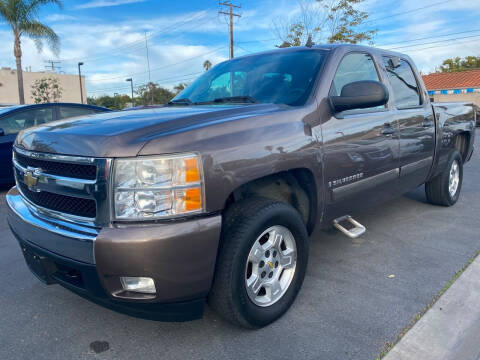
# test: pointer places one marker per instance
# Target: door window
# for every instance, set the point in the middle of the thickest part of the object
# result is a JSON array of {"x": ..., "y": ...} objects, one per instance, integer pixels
[
  {"x": 72, "y": 111},
  {"x": 353, "y": 67},
  {"x": 406, "y": 92},
  {"x": 14, "y": 123}
]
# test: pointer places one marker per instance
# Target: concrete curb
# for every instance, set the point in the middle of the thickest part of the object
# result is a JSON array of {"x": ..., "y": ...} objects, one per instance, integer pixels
[{"x": 451, "y": 328}]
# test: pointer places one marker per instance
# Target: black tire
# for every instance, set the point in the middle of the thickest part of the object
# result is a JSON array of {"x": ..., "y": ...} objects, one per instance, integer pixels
[
  {"x": 437, "y": 189},
  {"x": 243, "y": 223}
]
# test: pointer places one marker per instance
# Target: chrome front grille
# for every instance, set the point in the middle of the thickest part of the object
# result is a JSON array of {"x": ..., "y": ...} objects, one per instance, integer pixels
[
  {"x": 61, "y": 203},
  {"x": 67, "y": 187},
  {"x": 79, "y": 171}
]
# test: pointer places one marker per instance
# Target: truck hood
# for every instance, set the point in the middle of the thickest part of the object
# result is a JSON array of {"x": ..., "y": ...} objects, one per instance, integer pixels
[{"x": 124, "y": 133}]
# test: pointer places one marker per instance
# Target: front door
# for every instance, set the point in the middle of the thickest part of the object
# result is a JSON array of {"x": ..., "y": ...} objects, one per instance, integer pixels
[
  {"x": 416, "y": 123},
  {"x": 360, "y": 146}
]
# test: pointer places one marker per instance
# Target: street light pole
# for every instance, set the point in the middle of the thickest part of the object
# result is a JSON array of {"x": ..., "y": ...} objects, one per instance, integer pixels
[
  {"x": 80, "y": 80},
  {"x": 131, "y": 85},
  {"x": 115, "y": 100}
]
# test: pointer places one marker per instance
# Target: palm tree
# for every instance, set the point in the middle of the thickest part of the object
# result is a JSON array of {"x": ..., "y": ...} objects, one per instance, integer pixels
[
  {"x": 22, "y": 16},
  {"x": 180, "y": 87},
  {"x": 207, "y": 65}
]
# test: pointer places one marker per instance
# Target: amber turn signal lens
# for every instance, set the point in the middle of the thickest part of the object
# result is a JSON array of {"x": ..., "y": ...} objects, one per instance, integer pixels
[
  {"x": 193, "y": 199},
  {"x": 191, "y": 170}
]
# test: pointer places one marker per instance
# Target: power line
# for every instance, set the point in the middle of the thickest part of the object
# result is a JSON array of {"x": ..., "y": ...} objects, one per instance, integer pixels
[
  {"x": 136, "y": 87},
  {"x": 429, "y": 47},
  {"x": 52, "y": 65},
  {"x": 254, "y": 41},
  {"x": 164, "y": 66},
  {"x": 171, "y": 78},
  {"x": 137, "y": 42},
  {"x": 138, "y": 47},
  {"x": 428, "y": 37},
  {"x": 242, "y": 48},
  {"x": 435, "y": 42},
  {"x": 406, "y": 12}
]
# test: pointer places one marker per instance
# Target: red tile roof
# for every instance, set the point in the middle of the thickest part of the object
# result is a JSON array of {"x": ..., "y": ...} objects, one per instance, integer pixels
[{"x": 453, "y": 80}]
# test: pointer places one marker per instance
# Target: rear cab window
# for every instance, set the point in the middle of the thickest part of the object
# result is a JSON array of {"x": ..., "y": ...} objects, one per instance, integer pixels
[{"x": 406, "y": 92}]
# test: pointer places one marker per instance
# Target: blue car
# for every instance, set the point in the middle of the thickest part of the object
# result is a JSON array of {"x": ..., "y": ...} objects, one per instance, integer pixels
[{"x": 15, "y": 118}]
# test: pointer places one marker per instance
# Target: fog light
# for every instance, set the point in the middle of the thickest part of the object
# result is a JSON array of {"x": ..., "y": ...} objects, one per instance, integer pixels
[{"x": 138, "y": 284}]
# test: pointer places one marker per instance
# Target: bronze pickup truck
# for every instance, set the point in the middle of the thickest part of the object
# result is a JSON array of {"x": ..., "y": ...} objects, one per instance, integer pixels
[{"x": 212, "y": 197}]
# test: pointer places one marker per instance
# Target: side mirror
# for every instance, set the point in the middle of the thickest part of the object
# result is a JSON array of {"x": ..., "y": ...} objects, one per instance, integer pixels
[
  {"x": 2, "y": 133},
  {"x": 360, "y": 95}
]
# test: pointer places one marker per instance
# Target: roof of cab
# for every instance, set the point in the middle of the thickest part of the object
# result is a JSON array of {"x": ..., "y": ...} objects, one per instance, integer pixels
[{"x": 330, "y": 47}]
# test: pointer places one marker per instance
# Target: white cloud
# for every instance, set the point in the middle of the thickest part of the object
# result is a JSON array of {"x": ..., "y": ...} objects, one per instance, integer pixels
[
  {"x": 106, "y": 3},
  {"x": 115, "y": 50},
  {"x": 59, "y": 17},
  {"x": 170, "y": 65}
]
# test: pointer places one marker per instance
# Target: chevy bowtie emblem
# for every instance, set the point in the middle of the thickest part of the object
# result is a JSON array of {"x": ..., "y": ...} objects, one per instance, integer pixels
[{"x": 31, "y": 179}]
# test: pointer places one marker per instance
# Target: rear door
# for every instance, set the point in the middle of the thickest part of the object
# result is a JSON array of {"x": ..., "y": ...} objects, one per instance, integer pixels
[
  {"x": 360, "y": 146},
  {"x": 415, "y": 118}
]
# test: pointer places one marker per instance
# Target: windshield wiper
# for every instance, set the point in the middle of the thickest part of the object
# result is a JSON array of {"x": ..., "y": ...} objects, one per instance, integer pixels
[
  {"x": 184, "y": 101},
  {"x": 242, "y": 99}
]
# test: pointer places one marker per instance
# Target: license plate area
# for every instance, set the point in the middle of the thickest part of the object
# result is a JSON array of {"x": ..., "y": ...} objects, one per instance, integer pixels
[{"x": 40, "y": 266}]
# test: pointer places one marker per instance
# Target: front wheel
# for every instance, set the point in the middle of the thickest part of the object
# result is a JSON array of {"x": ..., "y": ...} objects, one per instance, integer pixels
[
  {"x": 445, "y": 188},
  {"x": 261, "y": 264}
]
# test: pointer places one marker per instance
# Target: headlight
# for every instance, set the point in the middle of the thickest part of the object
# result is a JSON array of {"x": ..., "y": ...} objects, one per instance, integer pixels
[{"x": 157, "y": 187}]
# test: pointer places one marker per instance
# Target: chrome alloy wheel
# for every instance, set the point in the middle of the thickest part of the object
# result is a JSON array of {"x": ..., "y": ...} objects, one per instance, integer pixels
[
  {"x": 270, "y": 266},
  {"x": 454, "y": 179}
]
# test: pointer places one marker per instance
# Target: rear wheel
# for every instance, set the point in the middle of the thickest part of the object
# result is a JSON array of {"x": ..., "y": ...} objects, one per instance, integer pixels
[
  {"x": 262, "y": 262},
  {"x": 445, "y": 188}
]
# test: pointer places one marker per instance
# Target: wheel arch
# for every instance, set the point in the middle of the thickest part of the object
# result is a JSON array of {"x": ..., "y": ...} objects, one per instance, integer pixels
[{"x": 296, "y": 187}]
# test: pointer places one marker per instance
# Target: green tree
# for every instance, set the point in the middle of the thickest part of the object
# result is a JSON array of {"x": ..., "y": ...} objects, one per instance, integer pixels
[
  {"x": 338, "y": 21},
  {"x": 460, "y": 64},
  {"x": 46, "y": 90},
  {"x": 152, "y": 93},
  {"x": 179, "y": 87},
  {"x": 118, "y": 102},
  {"x": 207, "y": 65},
  {"x": 22, "y": 17}
]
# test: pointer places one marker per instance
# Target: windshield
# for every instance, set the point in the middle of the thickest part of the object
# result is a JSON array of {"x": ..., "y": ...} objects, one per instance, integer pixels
[{"x": 285, "y": 77}]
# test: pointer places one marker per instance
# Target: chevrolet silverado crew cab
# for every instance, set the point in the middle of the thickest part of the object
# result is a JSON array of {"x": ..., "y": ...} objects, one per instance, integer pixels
[{"x": 212, "y": 197}]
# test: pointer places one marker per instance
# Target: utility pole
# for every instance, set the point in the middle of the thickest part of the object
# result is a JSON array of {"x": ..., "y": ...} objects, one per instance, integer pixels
[
  {"x": 231, "y": 15},
  {"x": 80, "y": 80},
  {"x": 148, "y": 67},
  {"x": 52, "y": 64}
]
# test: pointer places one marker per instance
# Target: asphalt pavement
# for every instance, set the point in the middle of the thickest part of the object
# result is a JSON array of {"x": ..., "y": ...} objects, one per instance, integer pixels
[
  {"x": 450, "y": 330},
  {"x": 357, "y": 295}
]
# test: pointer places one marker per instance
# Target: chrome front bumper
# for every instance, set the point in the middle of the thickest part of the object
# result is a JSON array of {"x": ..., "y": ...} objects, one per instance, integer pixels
[{"x": 60, "y": 237}]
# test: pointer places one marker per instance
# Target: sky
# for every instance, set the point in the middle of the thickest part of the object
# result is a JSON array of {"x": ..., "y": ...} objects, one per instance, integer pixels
[{"x": 108, "y": 36}]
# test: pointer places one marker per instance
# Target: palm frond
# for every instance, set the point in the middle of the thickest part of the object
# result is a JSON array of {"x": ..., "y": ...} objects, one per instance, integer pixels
[
  {"x": 34, "y": 5},
  {"x": 39, "y": 32}
]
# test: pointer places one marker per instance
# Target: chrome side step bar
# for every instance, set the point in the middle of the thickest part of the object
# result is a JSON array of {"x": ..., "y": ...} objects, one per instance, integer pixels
[{"x": 352, "y": 233}]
